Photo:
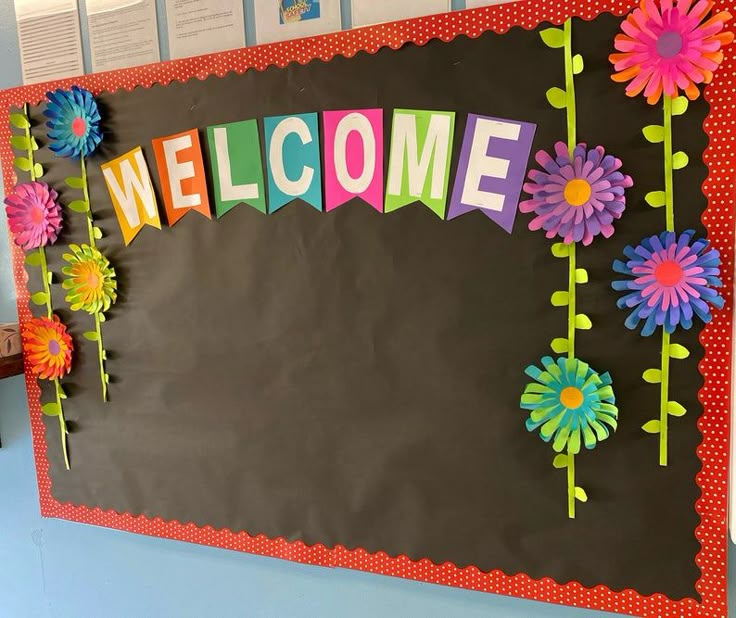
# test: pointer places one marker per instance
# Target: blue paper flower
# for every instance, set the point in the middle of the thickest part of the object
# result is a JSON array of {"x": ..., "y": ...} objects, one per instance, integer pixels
[
  {"x": 571, "y": 403},
  {"x": 670, "y": 280},
  {"x": 74, "y": 123}
]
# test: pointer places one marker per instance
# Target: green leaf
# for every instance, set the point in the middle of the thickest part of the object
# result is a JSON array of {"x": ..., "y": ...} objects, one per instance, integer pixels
[
  {"x": 19, "y": 121},
  {"x": 582, "y": 322},
  {"x": 560, "y": 345},
  {"x": 675, "y": 409},
  {"x": 553, "y": 37},
  {"x": 107, "y": 378},
  {"x": 654, "y": 133},
  {"x": 97, "y": 233},
  {"x": 679, "y": 106},
  {"x": 557, "y": 98},
  {"x": 651, "y": 427},
  {"x": 34, "y": 259},
  {"x": 577, "y": 64},
  {"x": 23, "y": 164},
  {"x": 104, "y": 354},
  {"x": 40, "y": 298},
  {"x": 34, "y": 144},
  {"x": 581, "y": 276},
  {"x": 19, "y": 142},
  {"x": 50, "y": 277},
  {"x": 38, "y": 170},
  {"x": 102, "y": 317},
  {"x": 62, "y": 393},
  {"x": 580, "y": 494},
  {"x": 560, "y": 250},
  {"x": 91, "y": 335},
  {"x": 652, "y": 376},
  {"x": 75, "y": 183},
  {"x": 679, "y": 352},
  {"x": 79, "y": 206},
  {"x": 560, "y": 461},
  {"x": 51, "y": 409},
  {"x": 656, "y": 199},
  {"x": 680, "y": 160},
  {"x": 560, "y": 299}
]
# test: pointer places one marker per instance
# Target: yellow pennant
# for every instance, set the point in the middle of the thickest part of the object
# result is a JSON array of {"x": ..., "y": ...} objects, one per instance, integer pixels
[{"x": 131, "y": 191}]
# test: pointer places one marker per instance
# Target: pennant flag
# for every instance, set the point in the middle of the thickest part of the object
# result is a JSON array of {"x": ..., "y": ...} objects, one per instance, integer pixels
[
  {"x": 131, "y": 191},
  {"x": 353, "y": 157},
  {"x": 294, "y": 170},
  {"x": 491, "y": 170},
  {"x": 419, "y": 161},
  {"x": 181, "y": 169},
  {"x": 237, "y": 168}
]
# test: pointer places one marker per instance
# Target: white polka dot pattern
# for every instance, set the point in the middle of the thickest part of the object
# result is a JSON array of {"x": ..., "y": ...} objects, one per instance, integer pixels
[{"x": 715, "y": 367}]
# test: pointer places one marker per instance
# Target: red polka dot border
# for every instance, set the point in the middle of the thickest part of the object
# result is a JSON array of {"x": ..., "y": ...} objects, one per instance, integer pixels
[{"x": 716, "y": 337}]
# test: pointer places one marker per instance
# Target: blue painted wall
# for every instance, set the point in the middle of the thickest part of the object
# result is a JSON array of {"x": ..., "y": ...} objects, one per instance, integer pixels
[{"x": 51, "y": 568}]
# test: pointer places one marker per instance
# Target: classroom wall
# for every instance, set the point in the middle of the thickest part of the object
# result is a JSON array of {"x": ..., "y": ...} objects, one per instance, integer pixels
[{"x": 51, "y": 568}]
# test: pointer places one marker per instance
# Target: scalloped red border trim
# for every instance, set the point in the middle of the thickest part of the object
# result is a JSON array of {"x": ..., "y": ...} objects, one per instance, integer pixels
[{"x": 716, "y": 337}]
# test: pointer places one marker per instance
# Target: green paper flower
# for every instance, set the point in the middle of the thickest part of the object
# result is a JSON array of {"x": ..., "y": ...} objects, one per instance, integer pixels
[
  {"x": 90, "y": 281},
  {"x": 571, "y": 403}
]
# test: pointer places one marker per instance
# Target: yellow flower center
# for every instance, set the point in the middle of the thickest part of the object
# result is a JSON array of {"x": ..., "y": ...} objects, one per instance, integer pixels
[
  {"x": 578, "y": 192},
  {"x": 571, "y": 397}
]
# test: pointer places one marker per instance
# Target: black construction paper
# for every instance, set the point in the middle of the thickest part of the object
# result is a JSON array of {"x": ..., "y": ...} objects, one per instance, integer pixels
[{"x": 354, "y": 378}]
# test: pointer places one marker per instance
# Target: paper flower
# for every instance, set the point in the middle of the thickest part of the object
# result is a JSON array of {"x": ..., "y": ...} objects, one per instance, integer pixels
[
  {"x": 34, "y": 215},
  {"x": 47, "y": 347},
  {"x": 666, "y": 47},
  {"x": 670, "y": 280},
  {"x": 90, "y": 281},
  {"x": 576, "y": 198},
  {"x": 571, "y": 403},
  {"x": 74, "y": 123}
]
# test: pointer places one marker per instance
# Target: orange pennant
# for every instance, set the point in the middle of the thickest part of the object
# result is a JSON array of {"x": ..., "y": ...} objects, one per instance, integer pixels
[
  {"x": 181, "y": 169},
  {"x": 131, "y": 191}
]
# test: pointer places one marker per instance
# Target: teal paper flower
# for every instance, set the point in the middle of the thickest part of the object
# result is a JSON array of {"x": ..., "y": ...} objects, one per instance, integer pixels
[
  {"x": 571, "y": 403},
  {"x": 74, "y": 123}
]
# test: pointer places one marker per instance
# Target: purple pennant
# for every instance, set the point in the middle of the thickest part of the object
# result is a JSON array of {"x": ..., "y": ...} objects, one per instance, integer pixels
[{"x": 491, "y": 170}]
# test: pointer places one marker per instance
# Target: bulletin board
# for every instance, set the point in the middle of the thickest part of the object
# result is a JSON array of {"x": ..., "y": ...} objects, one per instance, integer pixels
[{"x": 358, "y": 378}]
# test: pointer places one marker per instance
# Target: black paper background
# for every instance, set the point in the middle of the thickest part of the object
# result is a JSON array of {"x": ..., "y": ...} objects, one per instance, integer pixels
[{"x": 354, "y": 378}]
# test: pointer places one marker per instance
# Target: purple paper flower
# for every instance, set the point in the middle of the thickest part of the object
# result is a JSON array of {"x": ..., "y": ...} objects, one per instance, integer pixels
[
  {"x": 670, "y": 280},
  {"x": 74, "y": 123},
  {"x": 576, "y": 198},
  {"x": 34, "y": 215}
]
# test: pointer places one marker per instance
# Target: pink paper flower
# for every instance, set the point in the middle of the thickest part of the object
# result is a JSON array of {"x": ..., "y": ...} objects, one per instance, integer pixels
[
  {"x": 34, "y": 215},
  {"x": 667, "y": 47}
]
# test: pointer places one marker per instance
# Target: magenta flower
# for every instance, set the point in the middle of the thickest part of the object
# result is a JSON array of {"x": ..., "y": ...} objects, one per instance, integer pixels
[
  {"x": 576, "y": 198},
  {"x": 34, "y": 215}
]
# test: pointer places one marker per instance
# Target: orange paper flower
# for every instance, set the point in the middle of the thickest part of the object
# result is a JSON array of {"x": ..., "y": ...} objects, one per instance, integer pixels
[
  {"x": 47, "y": 347},
  {"x": 667, "y": 47}
]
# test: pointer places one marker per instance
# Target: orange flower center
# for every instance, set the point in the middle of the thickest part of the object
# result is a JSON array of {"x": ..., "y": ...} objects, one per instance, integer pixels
[
  {"x": 93, "y": 280},
  {"x": 578, "y": 192},
  {"x": 571, "y": 397},
  {"x": 669, "y": 44},
  {"x": 668, "y": 273}
]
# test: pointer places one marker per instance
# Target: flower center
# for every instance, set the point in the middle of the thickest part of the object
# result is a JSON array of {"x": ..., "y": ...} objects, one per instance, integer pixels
[
  {"x": 668, "y": 273},
  {"x": 79, "y": 127},
  {"x": 93, "y": 281},
  {"x": 669, "y": 44},
  {"x": 37, "y": 214},
  {"x": 54, "y": 347},
  {"x": 571, "y": 398},
  {"x": 578, "y": 192}
]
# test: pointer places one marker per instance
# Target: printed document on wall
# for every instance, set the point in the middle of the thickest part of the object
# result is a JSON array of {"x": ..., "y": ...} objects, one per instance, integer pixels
[
  {"x": 199, "y": 27},
  {"x": 366, "y": 12},
  {"x": 49, "y": 38},
  {"x": 122, "y": 33}
]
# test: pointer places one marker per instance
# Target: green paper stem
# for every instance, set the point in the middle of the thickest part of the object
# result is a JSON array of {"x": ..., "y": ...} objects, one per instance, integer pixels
[
  {"x": 85, "y": 190},
  {"x": 571, "y": 106},
  {"x": 570, "y": 485},
  {"x": 572, "y": 302},
  {"x": 100, "y": 351},
  {"x": 664, "y": 388},
  {"x": 46, "y": 286},
  {"x": 669, "y": 190},
  {"x": 30, "y": 146},
  {"x": 62, "y": 426}
]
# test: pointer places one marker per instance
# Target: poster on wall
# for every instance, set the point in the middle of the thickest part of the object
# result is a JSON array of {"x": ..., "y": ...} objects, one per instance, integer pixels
[
  {"x": 375, "y": 300},
  {"x": 283, "y": 20}
]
